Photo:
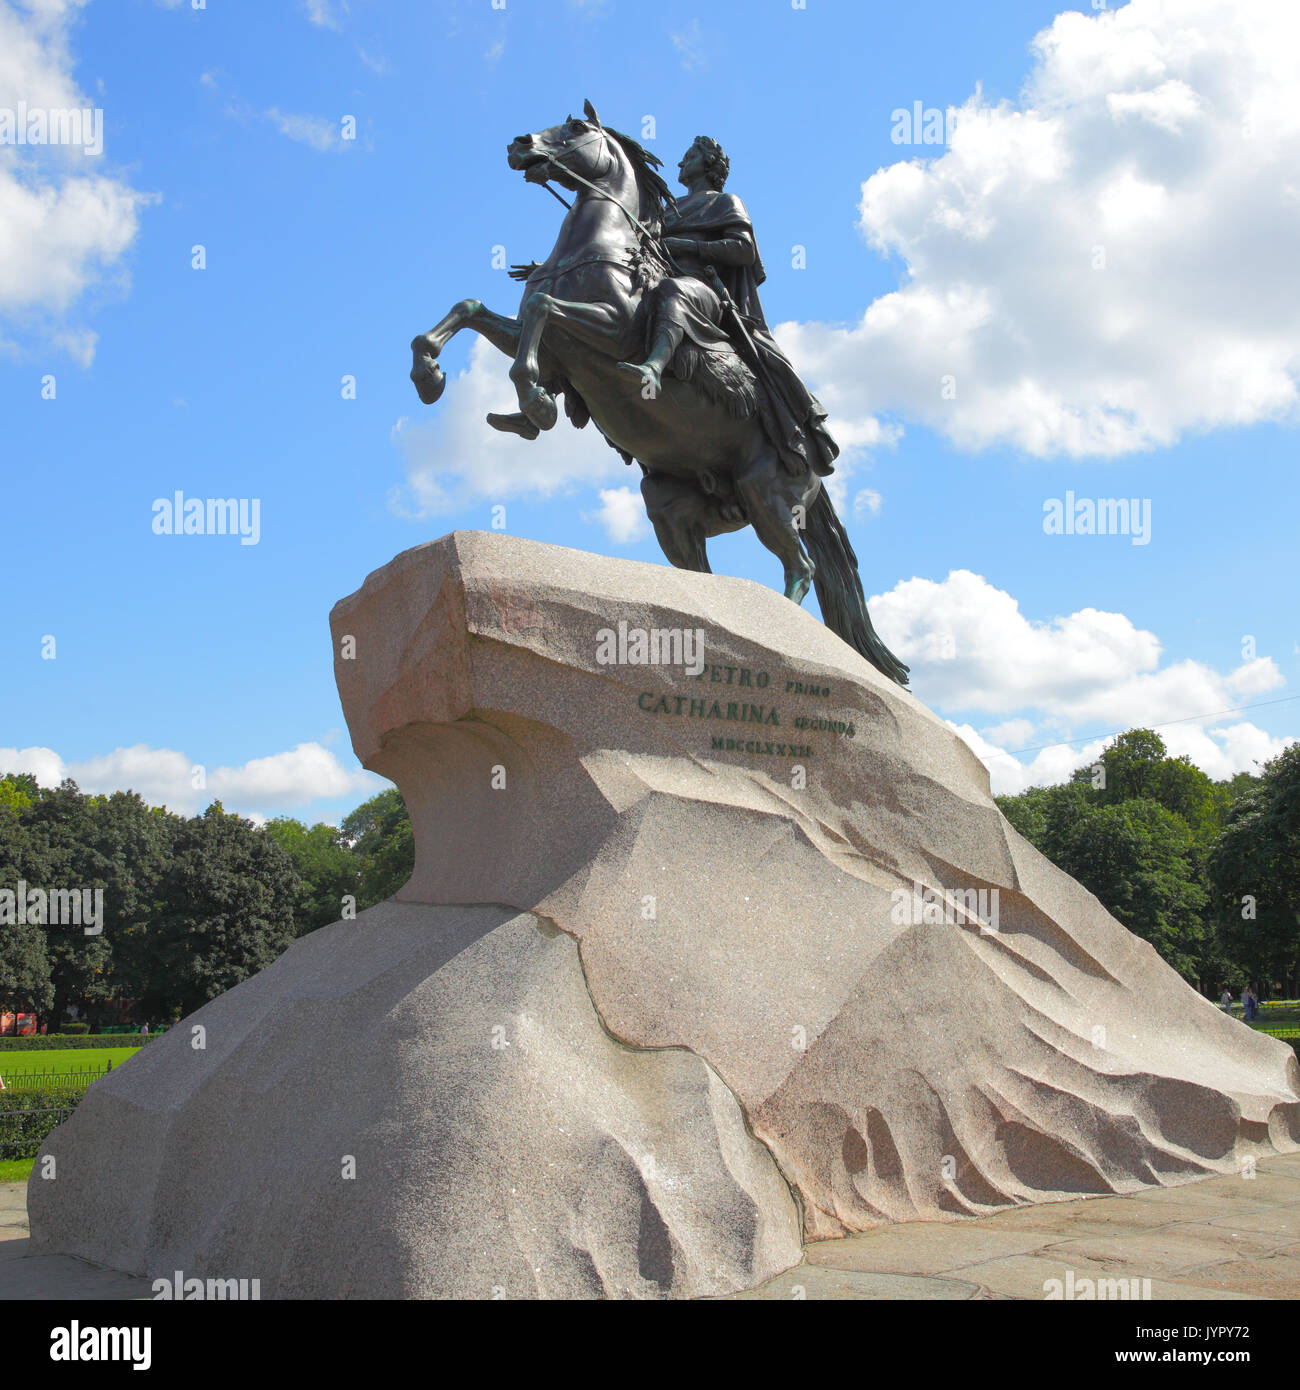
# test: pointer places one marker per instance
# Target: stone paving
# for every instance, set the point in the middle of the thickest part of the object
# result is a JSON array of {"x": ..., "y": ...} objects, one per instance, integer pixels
[{"x": 1222, "y": 1238}]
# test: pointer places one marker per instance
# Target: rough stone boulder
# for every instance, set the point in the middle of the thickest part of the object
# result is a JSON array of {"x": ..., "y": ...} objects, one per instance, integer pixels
[{"x": 701, "y": 942}]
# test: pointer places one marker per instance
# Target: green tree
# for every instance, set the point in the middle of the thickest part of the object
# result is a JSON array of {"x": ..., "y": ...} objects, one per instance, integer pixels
[
  {"x": 24, "y": 964},
  {"x": 329, "y": 870},
  {"x": 114, "y": 845},
  {"x": 18, "y": 790},
  {"x": 379, "y": 832},
  {"x": 1138, "y": 858},
  {"x": 1254, "y": 873},
  {"x": 1044, "y": 815},
  {"x": 1137, "y": 767},
  {"x": 1135, "y": 832},
  {"x": 227, "y": 911}
]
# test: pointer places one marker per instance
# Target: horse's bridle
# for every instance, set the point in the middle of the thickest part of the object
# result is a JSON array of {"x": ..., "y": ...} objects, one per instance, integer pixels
[{"x": 648, "y": 237}]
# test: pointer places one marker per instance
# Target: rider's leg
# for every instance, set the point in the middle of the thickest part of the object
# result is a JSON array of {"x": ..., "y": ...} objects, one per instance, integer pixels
[
  {"x": 682, "y": 305},
  {"x": 668, "y": 336}
]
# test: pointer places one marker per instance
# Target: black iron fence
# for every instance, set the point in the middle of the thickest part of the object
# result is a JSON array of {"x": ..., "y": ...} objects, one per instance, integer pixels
[
  {"x": 27, "y": 1117},
  {"x": 49, "y": 1079}
]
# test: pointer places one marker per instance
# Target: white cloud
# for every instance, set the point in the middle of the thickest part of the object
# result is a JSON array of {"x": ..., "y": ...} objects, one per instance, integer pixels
[
  {"x": 1009, "y": 776},
  {"x": 1162, "y": 139},
  {"x": 326, "y": 13},
  {"x": 622, "y": 514},
  {"x": 972, "y": 649},
  {"x": 163, "y": 776},
  {"x": 1012, "y": 733},
  {"x": 64, "y": 224},
  {"x": 689, "y": 44},
  {"x": 42, "y": 763},
  {"x": 454, "y": 458},
  {"x": 866, "y": 502},
  {"x": 1220, "y": 752},
  {"x": 316, "y": 131}
]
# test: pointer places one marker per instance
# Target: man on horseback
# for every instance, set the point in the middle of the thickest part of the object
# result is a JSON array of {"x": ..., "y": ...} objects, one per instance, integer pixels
[
  {"x": 724, "y": 431},
  {"x": 710, "y": 305}
]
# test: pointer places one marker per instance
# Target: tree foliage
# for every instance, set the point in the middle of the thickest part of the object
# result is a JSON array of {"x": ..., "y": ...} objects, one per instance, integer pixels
[
  {"x": 1138, "y": 828},
  {"x": 1254, "y": 875},
  {"x": 191, "y": 905},
  {"x": 379, "y": 831},
  {"x": 329, "y": 871}
]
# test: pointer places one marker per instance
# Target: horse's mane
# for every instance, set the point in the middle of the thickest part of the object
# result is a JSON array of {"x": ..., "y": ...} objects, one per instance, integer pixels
[{"x": 656, "y": 196}]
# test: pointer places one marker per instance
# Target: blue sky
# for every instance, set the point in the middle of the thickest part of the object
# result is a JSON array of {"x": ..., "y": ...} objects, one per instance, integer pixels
[{"x": 1163, "y": 369}]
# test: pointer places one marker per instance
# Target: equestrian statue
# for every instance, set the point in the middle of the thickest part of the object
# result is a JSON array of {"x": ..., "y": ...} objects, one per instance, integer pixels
[{"x": 645, "y": 319}]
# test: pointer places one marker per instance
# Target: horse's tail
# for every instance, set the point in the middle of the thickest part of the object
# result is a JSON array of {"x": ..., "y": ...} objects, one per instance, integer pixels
[{"x": 839, "y": 588}]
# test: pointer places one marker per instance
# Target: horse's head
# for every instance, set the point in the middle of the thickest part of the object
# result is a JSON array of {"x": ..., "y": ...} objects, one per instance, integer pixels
[{"x": 579, "y": 146}]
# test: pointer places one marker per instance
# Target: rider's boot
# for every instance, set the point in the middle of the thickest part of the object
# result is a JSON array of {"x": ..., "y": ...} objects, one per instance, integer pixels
[{"x": 652, "y": 369}]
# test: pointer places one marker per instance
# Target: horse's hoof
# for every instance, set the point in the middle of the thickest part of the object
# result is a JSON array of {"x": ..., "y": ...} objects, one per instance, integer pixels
[
  {"x": 429, "y": 379},
  {"x": 539, "y": 406},
  {"x": 514, "y": 424},
  {"x": 797, "y": 589}
]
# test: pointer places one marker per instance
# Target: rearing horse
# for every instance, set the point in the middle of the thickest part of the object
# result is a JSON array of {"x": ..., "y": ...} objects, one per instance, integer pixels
[{"x": 708, "y": 464}]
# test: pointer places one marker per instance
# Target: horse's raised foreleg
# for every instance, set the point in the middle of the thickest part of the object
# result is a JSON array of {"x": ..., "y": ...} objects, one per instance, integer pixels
[
  {"x": 501, "y": 332},
  {"x": 777, "y": 506},
  {"x": 597, "y": 324}
]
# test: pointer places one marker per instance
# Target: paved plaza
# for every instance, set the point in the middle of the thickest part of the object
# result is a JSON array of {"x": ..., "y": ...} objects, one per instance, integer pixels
[{"x": 1222, "y": 1238}]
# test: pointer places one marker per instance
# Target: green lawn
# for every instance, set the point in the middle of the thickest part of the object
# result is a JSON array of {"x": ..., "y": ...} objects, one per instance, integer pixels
[
  {"x": 1277, "y": 1018},
  {"x": 64, "y": 1059},
  {"x": 15, "y": 1169}
]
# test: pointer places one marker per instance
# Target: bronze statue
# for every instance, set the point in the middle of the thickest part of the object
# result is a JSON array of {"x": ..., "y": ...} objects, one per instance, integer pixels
[
  {"x": 645, "y": 318},
  {"x": 709, "y": 236}
]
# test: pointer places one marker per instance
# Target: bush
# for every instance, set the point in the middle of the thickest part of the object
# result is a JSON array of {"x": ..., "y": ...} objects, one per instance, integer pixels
[
  {"x": 54, "y": 1041},
  {"x": 28, "y": 1117},
  {"x": 77, "y": 1027}
]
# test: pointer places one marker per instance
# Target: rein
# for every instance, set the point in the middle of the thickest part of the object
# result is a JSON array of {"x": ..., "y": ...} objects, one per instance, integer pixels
[
  {"x": 648, "y": 237},
  {"x": 590, "y": 260}
]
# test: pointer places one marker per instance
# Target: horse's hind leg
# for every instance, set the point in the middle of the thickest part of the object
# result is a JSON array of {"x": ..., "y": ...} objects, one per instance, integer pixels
[
  {"x": 501, "y": 332},
  {"x": 776, "y": 503},
  {"x": 684, "y": 518}
]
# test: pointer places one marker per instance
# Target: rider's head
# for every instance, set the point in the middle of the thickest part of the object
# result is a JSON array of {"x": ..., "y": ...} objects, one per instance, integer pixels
[{"x": 715, "y": 165}]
